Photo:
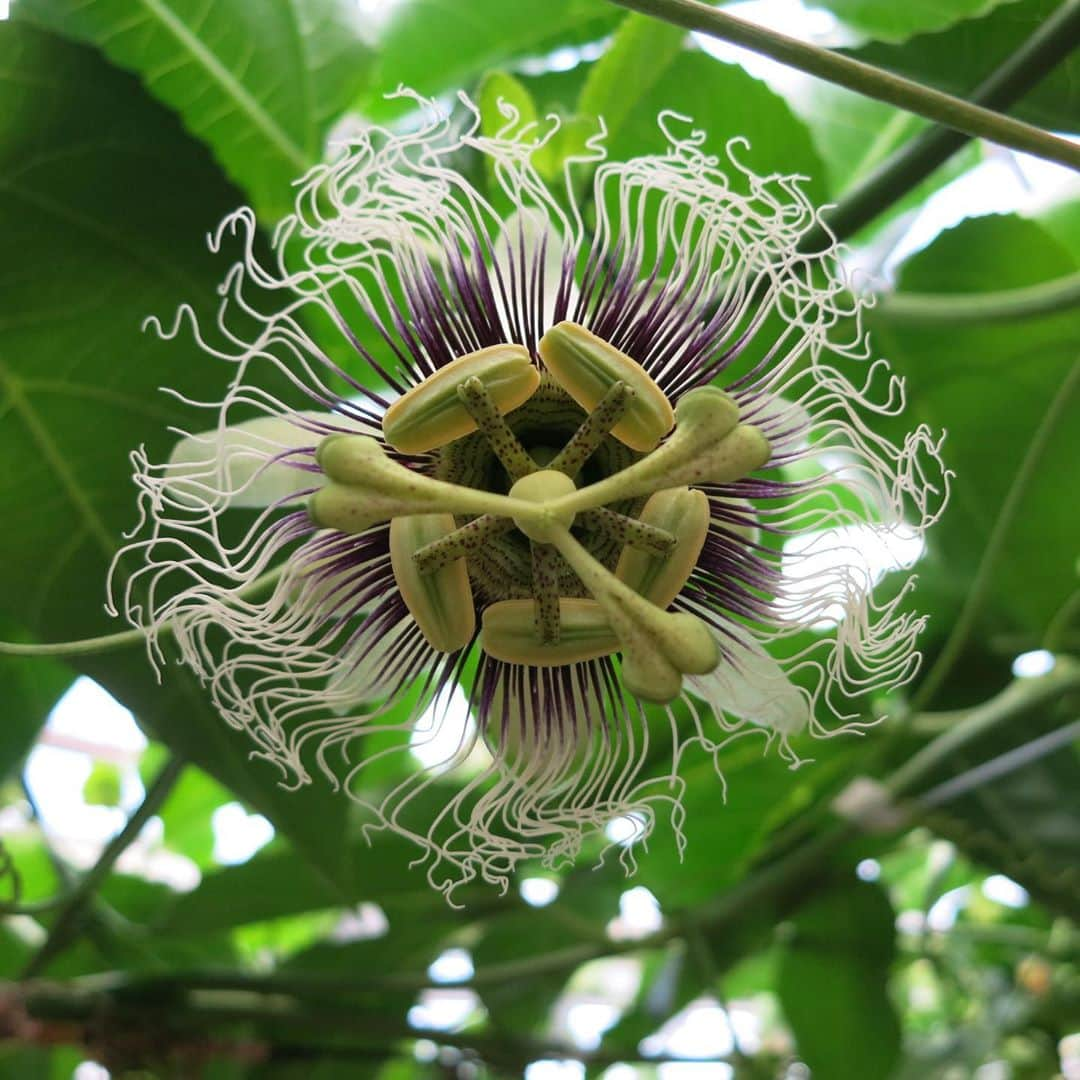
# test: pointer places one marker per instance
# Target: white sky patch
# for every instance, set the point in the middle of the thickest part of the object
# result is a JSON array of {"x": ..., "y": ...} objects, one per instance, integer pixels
[
  {"x": 942, "y": 915},
  {"x": 89, "y": 1070},
  {"x": 1004, "y": 183},
  {"x": 555, "y": 1070},
  {"x": 694, "y": 1070},
  {"x": 238, "y": 834},
  {"x": 822, "y": 555},
  {"x": 538, "y": 891},
  {"x": 868, "y": 870},
  {"x": 5, "y": 9},
  {"x": 364, "y": 923},
  {"x": 86, "y": 724},
  {"x": 624, "y": 830},
  {"x": 586, "y": 1022},
  {"x": 1030, "y": 665},
  {"x": 443, "y": 1010},
  {"x": 453, "y": 966},
  {"x": 639, "y": 915},
  {"x": 1003, "y": 890},
  {"x": 702, "y": 1029},
  {"x": 442, "y": 729},
  {"x": 790, "y": 17}
]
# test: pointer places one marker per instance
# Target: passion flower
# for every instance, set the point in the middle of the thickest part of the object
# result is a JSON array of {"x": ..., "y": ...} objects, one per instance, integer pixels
[{"x": 531, "y": 479}]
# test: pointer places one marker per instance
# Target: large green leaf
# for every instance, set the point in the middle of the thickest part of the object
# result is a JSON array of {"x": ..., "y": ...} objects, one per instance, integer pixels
[
  {"x": 107, "y": 201},
  {"x": 990, "y": 387},
  {"x": 434, "y": 47},
  {"x": 833, "y": 983},
  {"x": 258, "y": 83},
  {"x": 959, "y": 58},
  {"x": 727, "y": 103},
  {"x": 639, "y": 54},
  {"x": 897, "y": 22}
]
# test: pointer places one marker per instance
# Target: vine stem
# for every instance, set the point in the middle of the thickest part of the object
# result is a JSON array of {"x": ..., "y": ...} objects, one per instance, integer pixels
[
  {"x": 965, "y": 621},
  {"x": 123, "y": 638},
  {"x": 865, "y": 79},
  {"x": 67, "y": 918},
  {"x": 961, "y": 309},
  {"x": 910, "y": 164}
]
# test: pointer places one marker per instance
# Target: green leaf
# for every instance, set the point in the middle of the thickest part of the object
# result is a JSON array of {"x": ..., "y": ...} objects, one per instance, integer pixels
[
  {"x": 260, "y": 84},
  {"x": 990, "y": 386},
  {"x": 500, "y": 90},
  {"x": 639, "y": 54},
  {"x": 108, "y": 201},
  {"x": 727, "y": 103},
  {"x": 433, "y": 47},
  {"x": 958, "y": 59},
  {"x": 898, "y": 22},
  {"x": 833, "y": 983}
]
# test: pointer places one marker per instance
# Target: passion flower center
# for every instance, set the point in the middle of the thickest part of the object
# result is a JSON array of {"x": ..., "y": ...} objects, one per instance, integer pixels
[{"x": 609, "y": 554}]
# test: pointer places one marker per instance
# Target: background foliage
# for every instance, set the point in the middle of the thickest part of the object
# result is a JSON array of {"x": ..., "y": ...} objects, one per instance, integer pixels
[{"x": 127, "y": 130}]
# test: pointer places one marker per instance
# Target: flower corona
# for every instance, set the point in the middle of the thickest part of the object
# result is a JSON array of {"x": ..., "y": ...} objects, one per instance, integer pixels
[{"x": 520, "y": 465}]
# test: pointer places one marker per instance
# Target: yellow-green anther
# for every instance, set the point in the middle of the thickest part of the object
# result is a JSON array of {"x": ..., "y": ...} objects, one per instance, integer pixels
[
  {"x": 586, "y": 367},
  {"x": 461, "y": 543},
  {"x": 509, "y": 633},
  {"x": 370, "y": 486},
  {"x": 658, "y": 647},
  {"x": 624, "y": 530},
  {"x": 594, "y": 429},
  {"x": 683, "y": 514},
  {"x": 545, "y": 587},
  {"x": 441, "y": 602},
  {"x": 432, "y": 414},
  {"x": 708, "y": 446},
  {"x": 542, "y": 488},
  {"x": 481, "y": 407}
]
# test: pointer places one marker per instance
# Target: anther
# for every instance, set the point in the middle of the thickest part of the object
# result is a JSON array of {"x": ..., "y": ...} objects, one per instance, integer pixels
[
  {"x": 658, "y": 647},
  {"x": 442, "y": 602},
  {"x": 708, "y": 446},
  {"x": 587, "y": 367},
  {"x": 432, "y": 414},
  {"x": 369, "y": 487}
]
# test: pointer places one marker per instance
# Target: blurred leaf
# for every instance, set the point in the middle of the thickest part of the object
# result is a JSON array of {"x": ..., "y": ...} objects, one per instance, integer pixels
[
  {"x": 92, "y": 168},
  {"x": 958, "y": 59},
  {"x": 989, "y": 386},
  {"x": 433, "y": 47},
  {"x": 833, "y": 983},
  {"x": 259, "y": 83},
  {"x": 1026, "y": 823},
  {"x": 898, "y": 22},
  {"x": 29, "y": 688},
  {"x": 102, "y": 787}
]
